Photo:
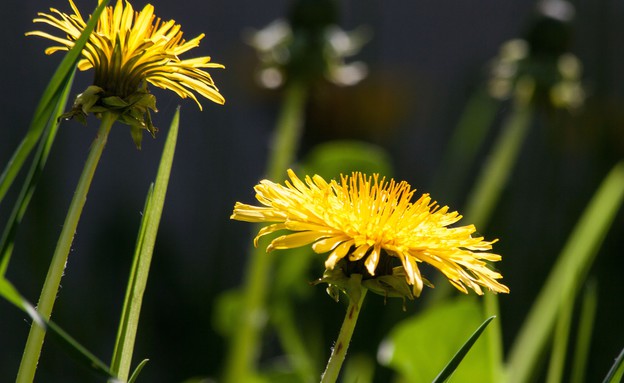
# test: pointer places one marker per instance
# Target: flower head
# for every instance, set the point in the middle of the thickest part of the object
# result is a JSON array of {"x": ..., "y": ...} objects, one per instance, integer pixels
[
  {"x": 365, "y": 222},
  {"x": 126, "y": 50}
]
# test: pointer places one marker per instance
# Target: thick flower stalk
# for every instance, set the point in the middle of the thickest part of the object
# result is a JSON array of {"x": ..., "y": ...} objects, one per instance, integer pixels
[
  {"x": 365, "y": 223},
  {"x": 128, "y": 49}
]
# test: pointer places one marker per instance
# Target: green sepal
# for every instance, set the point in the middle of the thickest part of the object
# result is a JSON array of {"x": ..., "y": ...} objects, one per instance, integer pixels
[
  {"x": 84, "y": 104},
  {"x": 133, "y": 110},
  {"x": 336, "y": 281},
  {"x": 394, "y": 286},
  {"x": 114, "y": 102}
]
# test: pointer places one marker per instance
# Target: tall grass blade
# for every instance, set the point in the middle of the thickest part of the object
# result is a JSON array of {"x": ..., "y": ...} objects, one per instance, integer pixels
[
  {"x": 126, "y": 335},
  {"x": 567, "y": 274},
  {"x": 30, "y": 183},
  {"x": 617, "y": 370}
]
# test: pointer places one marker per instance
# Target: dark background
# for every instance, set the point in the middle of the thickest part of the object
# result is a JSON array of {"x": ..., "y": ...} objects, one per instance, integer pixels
[{"x": 425, "y": 59}]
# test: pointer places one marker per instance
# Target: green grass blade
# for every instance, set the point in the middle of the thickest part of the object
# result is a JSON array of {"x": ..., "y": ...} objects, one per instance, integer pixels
[
  {"x": 419, "y": 347},
  {"x": 137, "y": 371},
  {"x": 45, "y": 108},
  {"x": 560, "y": 341},
  {"x": 126, "y": 335},
  {"x": 8, "y": 291},
  {"x": 124, "y": 322},
  {"x": 617, "y": 370},
  {"x": 28, "y": 188},
  {"x": 585, "y": 326},
  {"x": 567, "y": 274},
  {"x": 461, "y": 353}
]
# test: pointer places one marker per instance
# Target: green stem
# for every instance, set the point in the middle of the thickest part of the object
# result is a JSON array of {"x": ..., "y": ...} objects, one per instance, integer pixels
[
  {"x": 287, "y": 132},
  {"x": 339, "y": 351},
  {"x": 498, "y": 168},
  {"x": 244, "y": 346},
  {"x": 34, "y": 343},
  {"x": 464, "y": 145}
]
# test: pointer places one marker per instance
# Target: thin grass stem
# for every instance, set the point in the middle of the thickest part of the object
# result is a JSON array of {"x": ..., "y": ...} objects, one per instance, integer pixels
[{"x": 34, "y": 343}]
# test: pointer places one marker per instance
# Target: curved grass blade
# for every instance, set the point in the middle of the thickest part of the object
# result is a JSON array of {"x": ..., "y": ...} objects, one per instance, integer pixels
[
  {"x": 129, "y": 322},
  {"x": 8, "y": 291},
  {"x": 617, "y": 370},
  {"x": 585, "y": 327},
  {"x": 30, "y": 183},
  {"x": 137, "y": 371},
  {"x": 568, "y": 273},
  {"x": 459, "y": 356},
  {"x": 46, "y": 106}
]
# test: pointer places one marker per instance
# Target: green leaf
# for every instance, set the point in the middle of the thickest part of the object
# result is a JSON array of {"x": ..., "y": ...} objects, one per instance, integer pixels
[
  {"x": 617, "y": 370},
  {"x": 420, "y": 347},
  {"x": 30, "y": 183},
  {"x": 568, "y": 273},
  {"x": 49, "y": 100},
  {"x": 126, "y": 334},
  {"x": 80, "y": 352},
  {"x": 459, "y": 356},
  {"x": 359, "y": 368}
]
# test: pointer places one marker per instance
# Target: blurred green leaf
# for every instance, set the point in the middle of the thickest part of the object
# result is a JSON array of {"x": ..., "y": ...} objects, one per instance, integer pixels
[
  {"x": 568, "y": 273},
  {"x": 129, "y": 323},
  {"x": 333, "y": 158},
  {"x": 420, "y": 347},
  {"x": 228, "y": 308},
  {"x": 617, "y": 370},
  {"x": 359, "y": 368},
  {"x": 49, "y": 100}
]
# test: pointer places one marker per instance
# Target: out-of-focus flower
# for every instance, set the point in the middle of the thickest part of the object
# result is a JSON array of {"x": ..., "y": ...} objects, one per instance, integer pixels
[
  {"x": 541, "y": 59},
  {"x": 126, "y": 50},
  {"x": 308, "y": 46},
  {"x": 367, "y": 225}
]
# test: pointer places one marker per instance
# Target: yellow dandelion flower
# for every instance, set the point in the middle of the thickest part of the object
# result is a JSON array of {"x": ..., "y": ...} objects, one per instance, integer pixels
[
  {"x": 127, "y": 49},
  {"x": 369, "y": 220}
]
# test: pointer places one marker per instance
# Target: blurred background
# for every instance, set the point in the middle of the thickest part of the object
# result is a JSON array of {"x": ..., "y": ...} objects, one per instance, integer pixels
[{"x": 425, "y": 62}]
